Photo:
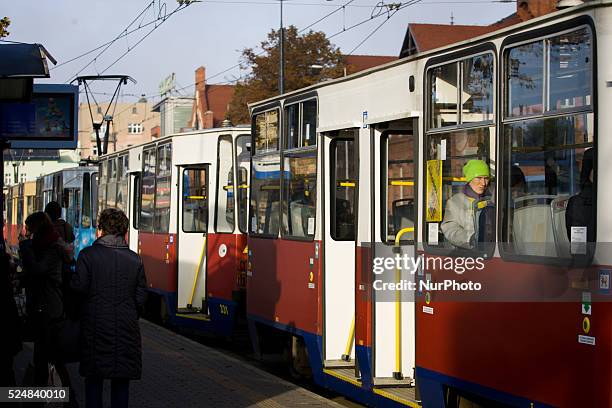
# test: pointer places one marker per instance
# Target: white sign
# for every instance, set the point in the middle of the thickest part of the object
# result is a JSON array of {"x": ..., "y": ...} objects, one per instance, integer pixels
[
  {"x": 443, "y": 149},
  {"x": 590, "y": 340},
  {"x": 578, "y": 239},
  {"x": 222, "y": 250},
  {"x": 428, "y": 310},
  {"x": 311, "y": 225},
  {"x": 433, "y": 233}
]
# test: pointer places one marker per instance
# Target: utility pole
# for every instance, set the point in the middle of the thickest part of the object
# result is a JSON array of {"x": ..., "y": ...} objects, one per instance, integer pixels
[{"x": 281, "y": 44}]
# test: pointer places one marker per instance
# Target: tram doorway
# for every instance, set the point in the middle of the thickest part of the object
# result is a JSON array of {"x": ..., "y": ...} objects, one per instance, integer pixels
[
  {"x": 192, "y": 231},
  {"x": 393, "y": 195},
  {"x": 340, "y": 184},
  {"x": 134, "y": 210}
]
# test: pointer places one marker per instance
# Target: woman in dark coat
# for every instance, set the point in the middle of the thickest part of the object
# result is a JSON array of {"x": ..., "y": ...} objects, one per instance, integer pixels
[
  {"x": 43, "y": 254},
  {"x": 112, "y": 281}
]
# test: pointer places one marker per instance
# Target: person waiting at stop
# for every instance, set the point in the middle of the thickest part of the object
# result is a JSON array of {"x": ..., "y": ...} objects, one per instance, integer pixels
[{"x": 465, "y": 224}]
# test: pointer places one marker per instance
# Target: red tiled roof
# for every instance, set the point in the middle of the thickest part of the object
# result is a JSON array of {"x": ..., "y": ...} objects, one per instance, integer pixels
[
  {"x": 430, "y": 36},
  {"x": 356, "y": 63}
]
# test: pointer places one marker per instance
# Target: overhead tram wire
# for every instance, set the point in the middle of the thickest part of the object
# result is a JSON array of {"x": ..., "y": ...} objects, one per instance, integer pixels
[
  {"x": 391, "y": 13},
  {"x": 161, "y": 19},
  {"x": 108, "y": 44}
]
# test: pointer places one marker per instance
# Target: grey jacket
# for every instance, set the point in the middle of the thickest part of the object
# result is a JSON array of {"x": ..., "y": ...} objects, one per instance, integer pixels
[{"x": 460, "y": 223}]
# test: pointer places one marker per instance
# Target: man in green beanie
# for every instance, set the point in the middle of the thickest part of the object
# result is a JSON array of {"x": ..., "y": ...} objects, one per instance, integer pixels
[{"x": 462, "y": 212}]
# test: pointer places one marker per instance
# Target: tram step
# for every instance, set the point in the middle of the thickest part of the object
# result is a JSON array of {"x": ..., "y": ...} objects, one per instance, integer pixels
[
  {"x": 194, "y": 316},
  {"x": 338, "y": 364},
  {"x": 383, "y": 382},
  {"x": 188, "y": 310}
]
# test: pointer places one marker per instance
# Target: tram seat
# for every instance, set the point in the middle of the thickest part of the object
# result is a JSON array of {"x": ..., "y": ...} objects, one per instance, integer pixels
[
  {"x": 300, "y": 213},
  {"x": 533, "y": 231},
  {"x": 403, "y": 214},
  {"x": 558, "y": 207},
  {"x": 539, "y": 228}
]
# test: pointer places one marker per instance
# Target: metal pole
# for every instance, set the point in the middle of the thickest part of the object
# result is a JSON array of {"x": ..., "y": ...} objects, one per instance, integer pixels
[
  {"x": 3, "y": 145},
  {"x": 281, "y": 80}
]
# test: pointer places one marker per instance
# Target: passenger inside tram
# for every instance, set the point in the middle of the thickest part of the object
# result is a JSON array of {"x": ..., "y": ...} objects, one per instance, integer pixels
[
  {"x": 468, "y": 214},
  {"x": 580, "y": 213}
]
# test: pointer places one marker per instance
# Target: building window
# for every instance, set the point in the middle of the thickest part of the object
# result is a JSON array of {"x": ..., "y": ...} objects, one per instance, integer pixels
[
  {"x": 135, "y": 128},
  {"x": 134, "y": 110},
  {"x": 22, "y": 178},
  {"x": 99, "y": 110}
]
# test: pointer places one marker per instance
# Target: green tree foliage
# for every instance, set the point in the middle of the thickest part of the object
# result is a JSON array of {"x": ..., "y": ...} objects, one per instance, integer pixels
[
  {"x": 4, "y": 23},
  {"x": 302, "y": 51}
]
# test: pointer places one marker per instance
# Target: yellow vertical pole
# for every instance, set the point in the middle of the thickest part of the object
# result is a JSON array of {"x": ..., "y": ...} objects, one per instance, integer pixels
[
  {"x": 397, "y": 374},
  {"x": 197, "y": 273}
]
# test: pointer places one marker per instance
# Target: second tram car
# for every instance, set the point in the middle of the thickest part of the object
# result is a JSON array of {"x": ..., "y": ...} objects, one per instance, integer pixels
[{"x": 186, "y": 197}]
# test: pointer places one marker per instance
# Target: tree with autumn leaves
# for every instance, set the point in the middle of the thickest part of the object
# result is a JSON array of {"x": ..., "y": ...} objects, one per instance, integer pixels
[
  {"x": 309, "y": 58},
  {"x": 4, "y": 23}
]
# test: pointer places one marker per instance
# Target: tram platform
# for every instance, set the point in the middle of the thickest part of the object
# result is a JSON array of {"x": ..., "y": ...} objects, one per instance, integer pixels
[{"x": 179, "y": 372}]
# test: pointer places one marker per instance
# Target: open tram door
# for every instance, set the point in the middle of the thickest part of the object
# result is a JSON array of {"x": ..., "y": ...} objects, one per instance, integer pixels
[
  {"x": 192, "y": 234},
  {"x": 340, "y": 185},
  {"x": 391, "y": 193}
]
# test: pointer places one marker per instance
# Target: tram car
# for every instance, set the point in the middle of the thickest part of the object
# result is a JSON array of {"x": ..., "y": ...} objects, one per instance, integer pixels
[
  {"x": 71, "y": 188},
  {"x": 20, "y": 203},
  {"x": 358, "y": 169},
  {"x": 186, "y": 198},
  {"x": 75, "y": 190}
]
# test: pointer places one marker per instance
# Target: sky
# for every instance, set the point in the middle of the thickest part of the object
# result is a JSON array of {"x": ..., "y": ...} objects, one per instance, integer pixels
[{"x": 211, "y": 33}]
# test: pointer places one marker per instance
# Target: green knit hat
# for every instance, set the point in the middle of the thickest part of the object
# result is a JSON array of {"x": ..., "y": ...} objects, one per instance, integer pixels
[{"x": 475, "y": 168}]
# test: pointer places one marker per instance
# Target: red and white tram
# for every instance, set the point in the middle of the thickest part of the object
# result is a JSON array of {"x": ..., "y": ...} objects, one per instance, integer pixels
[
  {"x": 345, "y": 171},
  {"x": 186, "y": 197}
]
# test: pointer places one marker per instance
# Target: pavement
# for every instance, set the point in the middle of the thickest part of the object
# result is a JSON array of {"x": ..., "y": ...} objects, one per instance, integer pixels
[{"x": 179, "y": 372}]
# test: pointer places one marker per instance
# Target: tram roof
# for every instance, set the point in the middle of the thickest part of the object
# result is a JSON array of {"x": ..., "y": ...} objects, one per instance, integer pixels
[
  {"x": 505, "y": 31},
  {"x": 218, "y": 130}
]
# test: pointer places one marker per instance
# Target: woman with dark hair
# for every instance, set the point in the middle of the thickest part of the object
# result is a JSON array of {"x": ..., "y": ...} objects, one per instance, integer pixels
[
  {"x": 112, "y": 281},
  {"x": 43, "y": 254}
]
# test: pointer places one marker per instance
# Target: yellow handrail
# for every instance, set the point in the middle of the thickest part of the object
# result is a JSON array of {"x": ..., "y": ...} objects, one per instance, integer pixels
[
  {"x": 197, "y": 274},
  {"x": 349, "y": 343},
  {"x": 398, "y": 312}
]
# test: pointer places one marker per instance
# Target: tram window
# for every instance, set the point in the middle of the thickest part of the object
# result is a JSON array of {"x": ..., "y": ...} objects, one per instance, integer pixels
[
  {"x": 122, "y": 182},
  {"x": 86, "y": 217},
  {"x": 19, "y": 201},
  {"x": 163, "y": 188},
  {"x": 111, "y": 184},
  {"x": 399, "y": 154},
  {"x": 94, "y": 200},
  {"x": 525, "y": 68},
  {"x": 469, "y": 224},
  {"x": 265, "y": 195},
  {"x": 195, "y": 200},
  {"x": 243, "y": 159},
  {"x": 292, "y": 113},
  {"x": 561, "y": 65},
  {"x": 474, "y": 77},
  {"x": 570, "y": 70},
  {"x": 301, "y": 127},
  {"x": 548, "y": 164},
  {"x": 299, "y": 194},
  {"x": 148, "y": 190},
  {"x": 29, "y": 205},
  {"x": 443, "y": 83},
  {"x": 136, "y": 211},
  {"x": 309, "y": 123},
  {"x": 224, "y": 217},
  {"x": 73, "y": 207},
  {"x": 266, "y": 131},
  {"x": 477, "y": 89},
  {"x": 343, "y": 190},
  {"x": 102, "y": 185}
]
